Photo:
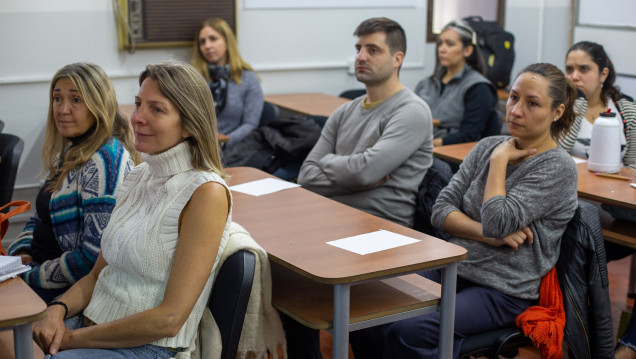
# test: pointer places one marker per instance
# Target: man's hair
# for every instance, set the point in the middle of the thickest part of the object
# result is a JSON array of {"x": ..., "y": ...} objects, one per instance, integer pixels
[{"x": 395, "y": 36}]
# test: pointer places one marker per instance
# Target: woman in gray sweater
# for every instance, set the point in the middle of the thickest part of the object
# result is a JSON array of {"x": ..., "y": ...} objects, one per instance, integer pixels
[
  {"x": 237, "y": 93},
  {"x": 509, "y": 205}
]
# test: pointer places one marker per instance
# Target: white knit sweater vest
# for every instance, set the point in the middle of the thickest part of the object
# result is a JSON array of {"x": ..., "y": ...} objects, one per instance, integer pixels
[{"x": 140, "y": 241}]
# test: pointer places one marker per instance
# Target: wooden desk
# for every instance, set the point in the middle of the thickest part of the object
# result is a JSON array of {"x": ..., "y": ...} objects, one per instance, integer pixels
[
  {"x": 127, "y": 110},
  {"x": 453, "y": 153},
  {"x": 606, "y": 190},
  {"x": 294, "y": 225},
  {"x": 20, "y": 307},
  {"x": 307, "y": 103},
  {"x": 502, "y": 94}
]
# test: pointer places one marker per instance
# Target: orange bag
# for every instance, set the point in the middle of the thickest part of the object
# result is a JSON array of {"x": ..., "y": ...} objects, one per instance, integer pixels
[{"x": 21, "y": 206}]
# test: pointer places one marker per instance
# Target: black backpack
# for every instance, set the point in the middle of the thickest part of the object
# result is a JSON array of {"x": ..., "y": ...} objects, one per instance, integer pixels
[{"x": 497, "y": 48}]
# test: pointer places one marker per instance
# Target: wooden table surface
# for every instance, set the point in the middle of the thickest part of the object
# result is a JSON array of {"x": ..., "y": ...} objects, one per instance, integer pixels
[
  {"x": 502, "y": 94},
  {"x": 454, "y": 153},
  {"x": 606, "y": 190},
  {"x": 312, "y": 103},
  {"x": 294, "y": 225},
  {"x": 19, "y": 306}
]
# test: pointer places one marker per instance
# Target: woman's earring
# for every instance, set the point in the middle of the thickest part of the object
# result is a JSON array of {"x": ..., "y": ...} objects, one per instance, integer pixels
[{"x": 555, "y": 120}]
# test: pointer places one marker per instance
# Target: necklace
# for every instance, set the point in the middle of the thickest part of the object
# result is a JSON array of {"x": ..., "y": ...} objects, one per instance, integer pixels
[{"x": 593, "y": 112}]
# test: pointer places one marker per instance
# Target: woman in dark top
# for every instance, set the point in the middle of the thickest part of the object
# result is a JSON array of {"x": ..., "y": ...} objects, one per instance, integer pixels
[
  {"x": 86, "y": 155},
  {"x": 459, "y": 95}
]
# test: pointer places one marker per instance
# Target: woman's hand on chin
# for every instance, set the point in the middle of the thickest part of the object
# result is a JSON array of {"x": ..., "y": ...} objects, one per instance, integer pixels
[{"x": 507, "y": 151}]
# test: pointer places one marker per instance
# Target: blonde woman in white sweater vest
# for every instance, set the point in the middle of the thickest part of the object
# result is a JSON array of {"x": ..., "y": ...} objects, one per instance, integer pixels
[{"x": 146, "y": 293}]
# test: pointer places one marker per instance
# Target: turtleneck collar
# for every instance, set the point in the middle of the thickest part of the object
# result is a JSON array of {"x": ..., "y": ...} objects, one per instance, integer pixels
[
  {"x": 168, "y": 163},
  {"x": 81, "y": 138}
]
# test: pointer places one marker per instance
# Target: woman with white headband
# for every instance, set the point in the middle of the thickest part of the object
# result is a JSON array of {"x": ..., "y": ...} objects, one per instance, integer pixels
[{"x": 458, "y": 93}]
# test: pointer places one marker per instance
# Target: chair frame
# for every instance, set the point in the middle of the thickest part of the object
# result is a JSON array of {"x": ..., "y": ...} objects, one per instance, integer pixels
[
  {"x": 229, "y": 298},
  {"x": 11, "y": 147}
]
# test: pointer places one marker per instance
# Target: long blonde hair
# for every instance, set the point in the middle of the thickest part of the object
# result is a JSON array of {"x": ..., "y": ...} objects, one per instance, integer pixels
[
  {"x": 237, "y": 64},
  {"x": 184, "y": 86},
  {"x": 99, "y": 96}
]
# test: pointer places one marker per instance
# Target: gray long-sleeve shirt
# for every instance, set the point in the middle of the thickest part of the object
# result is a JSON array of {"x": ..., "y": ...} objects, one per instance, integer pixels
[
  {"x": 358, "y": 147},
  {"x": 243, "y": 107},
  {"x": 540, "y": 193}
]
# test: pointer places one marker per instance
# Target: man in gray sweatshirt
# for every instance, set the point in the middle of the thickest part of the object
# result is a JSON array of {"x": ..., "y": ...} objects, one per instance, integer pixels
[{"x": 374, "y": 151}]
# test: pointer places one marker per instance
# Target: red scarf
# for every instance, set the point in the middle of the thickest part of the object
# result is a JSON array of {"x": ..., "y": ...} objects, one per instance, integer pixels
[{"x": 544, "y": 323}]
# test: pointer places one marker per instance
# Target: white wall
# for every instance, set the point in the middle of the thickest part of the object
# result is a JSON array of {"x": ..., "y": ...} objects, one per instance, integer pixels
[
  {"x": 294, "y": 50},
  {"x": 541, "y": 29}
]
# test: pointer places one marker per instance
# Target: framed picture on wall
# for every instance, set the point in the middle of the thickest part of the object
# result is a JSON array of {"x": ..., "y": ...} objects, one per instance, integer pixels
[{"x": 166, "y": 23}]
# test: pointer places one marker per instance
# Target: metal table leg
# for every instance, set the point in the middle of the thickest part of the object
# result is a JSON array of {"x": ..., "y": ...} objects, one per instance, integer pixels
[
  {"x": 631, "y": 290},
  {"x": 22, "y": 341},
  {"x": 341, "y": 298},
  {"x": 447, "y": 311}
]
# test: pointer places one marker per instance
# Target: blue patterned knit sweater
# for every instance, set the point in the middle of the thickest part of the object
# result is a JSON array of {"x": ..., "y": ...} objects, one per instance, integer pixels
[{"x": 80, "y": 210}]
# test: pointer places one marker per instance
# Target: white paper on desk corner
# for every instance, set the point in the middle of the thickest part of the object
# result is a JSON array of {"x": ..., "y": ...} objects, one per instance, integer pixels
[
  {"x": 14, "y": 273},
  {"x": 373, "y": 242},
  {"x": 263, "y": 186},
  {"x": 578, "y": 159}
]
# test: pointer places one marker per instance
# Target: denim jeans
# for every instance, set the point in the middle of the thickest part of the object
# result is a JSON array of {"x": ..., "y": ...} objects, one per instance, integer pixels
[
  {"x": 629, "y": 337},
  {"x": 147, "y": 351},
  {"x": 477, "y": 309}
]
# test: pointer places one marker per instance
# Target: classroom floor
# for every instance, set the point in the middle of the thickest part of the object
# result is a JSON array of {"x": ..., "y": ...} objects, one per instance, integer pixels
[{"x": 618, "y": 276}]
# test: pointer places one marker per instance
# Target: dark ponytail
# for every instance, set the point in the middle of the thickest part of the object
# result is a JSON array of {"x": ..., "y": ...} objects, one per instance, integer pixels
[{"x": 561, "y": 127}]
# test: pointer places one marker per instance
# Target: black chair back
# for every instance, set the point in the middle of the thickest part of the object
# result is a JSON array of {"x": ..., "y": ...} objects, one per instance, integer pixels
[
  {"x": 319, "y": 120},
  {"x": 583, "y": 278},
  {"x": 493, "y": 126},
  {"x": 10, "y": 151},
  {"x": 436, "y": 178},
  {"x": 1, "y": 125},
  {"x": 229, "y": 298},
  {"x": 353, "y": 93},
  {"x": 269, "y": 114}
]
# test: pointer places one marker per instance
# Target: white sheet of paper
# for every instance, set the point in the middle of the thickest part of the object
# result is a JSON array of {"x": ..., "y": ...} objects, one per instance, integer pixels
[
  {"x": 579, "y": 159},
  {"x": 373, "y": 242},
  {"x": 264, "y": 186},
  {"x": 14, "y": 273}
]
